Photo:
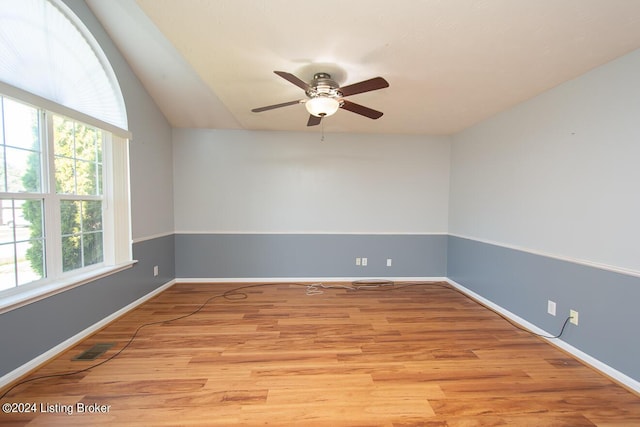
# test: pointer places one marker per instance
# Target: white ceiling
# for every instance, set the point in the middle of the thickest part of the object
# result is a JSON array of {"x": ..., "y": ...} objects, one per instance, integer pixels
[{"x": 449, "y": 63}]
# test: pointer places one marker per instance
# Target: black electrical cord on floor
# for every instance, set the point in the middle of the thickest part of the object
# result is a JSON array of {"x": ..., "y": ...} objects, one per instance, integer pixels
[
  {"x": 383, "y": 285},
  {"x": 236, "y": 294},
  {"x": 564, "y": 325}
]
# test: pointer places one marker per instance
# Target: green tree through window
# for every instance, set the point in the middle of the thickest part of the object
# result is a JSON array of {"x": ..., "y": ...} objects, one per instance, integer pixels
[
  {"x": 78, "y": 172},
  {"x": 32, "y": 211}
]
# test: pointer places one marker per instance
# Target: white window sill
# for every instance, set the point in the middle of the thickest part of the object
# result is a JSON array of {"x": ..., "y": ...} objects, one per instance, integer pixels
[{"x": 27, "y": 294}]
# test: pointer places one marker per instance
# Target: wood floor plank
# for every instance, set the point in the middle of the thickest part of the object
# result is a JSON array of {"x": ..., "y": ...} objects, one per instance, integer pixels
[{"x": 270, "y": 354}]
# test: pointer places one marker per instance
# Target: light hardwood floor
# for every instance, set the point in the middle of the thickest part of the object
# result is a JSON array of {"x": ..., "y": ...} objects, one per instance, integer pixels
[{"x": 403, "y": 356}]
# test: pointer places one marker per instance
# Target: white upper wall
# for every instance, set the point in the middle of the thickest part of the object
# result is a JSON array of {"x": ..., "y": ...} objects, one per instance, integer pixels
[
  {"x": 558, "y": 174},
  {"x": 264, "y": 182}
]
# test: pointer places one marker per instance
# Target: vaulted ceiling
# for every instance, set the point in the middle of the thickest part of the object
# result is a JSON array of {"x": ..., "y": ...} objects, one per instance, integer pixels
[{"x": 450, "y": 64}]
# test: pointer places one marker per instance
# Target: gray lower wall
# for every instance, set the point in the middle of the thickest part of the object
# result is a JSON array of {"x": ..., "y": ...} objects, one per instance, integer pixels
[
  {"x": 523, "y": 282},
  {"x": 29, "y": 331},
  {"x": 518, "y": 281},
  {"x": 309, "y": 255}
]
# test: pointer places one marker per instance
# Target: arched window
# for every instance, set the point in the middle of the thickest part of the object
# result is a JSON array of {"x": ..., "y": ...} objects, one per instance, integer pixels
[
  {"x": 64, "y": 177},
  {"x": 45, "y": 50}
]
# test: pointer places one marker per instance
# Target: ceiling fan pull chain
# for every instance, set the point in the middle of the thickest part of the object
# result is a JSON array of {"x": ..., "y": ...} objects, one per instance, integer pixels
[{"x": 322, "y": 128}]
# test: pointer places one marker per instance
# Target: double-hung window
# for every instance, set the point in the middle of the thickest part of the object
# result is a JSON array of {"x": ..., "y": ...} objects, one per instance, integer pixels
[
  {"x": 22, "y": 228},
  {"x": 77, "y": 165},
  {"x": 63, "y": 197}
]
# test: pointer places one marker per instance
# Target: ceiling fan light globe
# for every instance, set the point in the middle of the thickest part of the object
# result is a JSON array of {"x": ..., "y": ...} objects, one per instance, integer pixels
[{"x": 322, "y": 106}]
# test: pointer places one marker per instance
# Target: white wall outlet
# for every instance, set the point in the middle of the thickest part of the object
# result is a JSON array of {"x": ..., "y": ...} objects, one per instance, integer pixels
[
  {"x": 388, "y": 262},
  {"x": 364, "y": 262},
  {"x": 574, "y": 317},
  {"x": 155, "y": 271},
  {"x": 358, "y": 262},
  {"x": 551, "y": 307}
]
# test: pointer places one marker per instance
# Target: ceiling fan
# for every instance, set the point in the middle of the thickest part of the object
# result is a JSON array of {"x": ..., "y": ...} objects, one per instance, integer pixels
[{"x": 325, "y": 96}]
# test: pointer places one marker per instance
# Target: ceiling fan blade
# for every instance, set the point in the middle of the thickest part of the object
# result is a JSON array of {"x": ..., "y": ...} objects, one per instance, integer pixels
[
  {"x": 361, "y": 109},
  {"x": 271, "y": 107},
  {"x": 364, "y": 86},
  {"x": 313, "y": 120},
  {"x": 293, "y": 79}
]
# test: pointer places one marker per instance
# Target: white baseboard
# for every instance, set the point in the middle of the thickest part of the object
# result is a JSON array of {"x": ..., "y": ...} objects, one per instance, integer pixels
[
  {"x": 65, "y": 345},
  {"x": 303, "y": 279},
  {"x": 596, "y": 364}
]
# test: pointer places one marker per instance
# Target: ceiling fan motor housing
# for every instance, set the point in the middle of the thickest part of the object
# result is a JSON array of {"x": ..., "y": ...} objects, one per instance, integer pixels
[{"x": 323, "y": 85}]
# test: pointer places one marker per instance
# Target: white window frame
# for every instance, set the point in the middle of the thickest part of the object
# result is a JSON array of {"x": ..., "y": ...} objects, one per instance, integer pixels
[{"x": 116, "y": 207}]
